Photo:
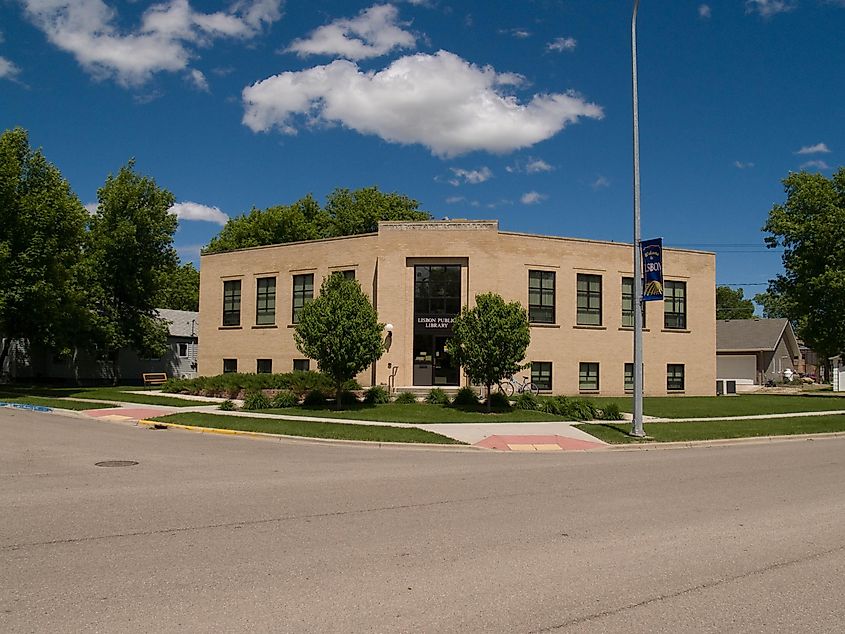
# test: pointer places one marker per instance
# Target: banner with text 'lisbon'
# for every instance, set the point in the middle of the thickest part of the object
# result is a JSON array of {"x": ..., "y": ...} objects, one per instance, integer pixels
[{"x": 652, "y": 251}]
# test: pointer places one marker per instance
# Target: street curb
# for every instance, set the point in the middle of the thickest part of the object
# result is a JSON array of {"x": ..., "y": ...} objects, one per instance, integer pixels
[
  {"x": 152, "y": 424},
  {"x": 720, "y": 442}
]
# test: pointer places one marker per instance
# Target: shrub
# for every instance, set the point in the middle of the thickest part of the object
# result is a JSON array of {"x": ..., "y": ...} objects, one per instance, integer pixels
[
  {"x": 466, "y": 397},
  {"x": 499, "y": 401},
  {"x": 611, "y": 412},
  {"x": 571, "y": 408},
  {"x": 437, "y": 397},
  {"x": 227, "y": 406},
  {"x": 285, "y": 398},
  {"x": 299, "y": 382},
  {"x": 315, "y": 398},
  {"x": 377, "y": 394},
  {"x": 256, "y": 399},
  {"x": 405, "y": 398},
  {"x": 347, "y": 397},
  {"x": 527, "y": 400}
]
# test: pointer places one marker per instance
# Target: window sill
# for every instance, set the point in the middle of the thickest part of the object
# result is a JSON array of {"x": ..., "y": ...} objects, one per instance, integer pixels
[
  {"x": 580, "y": 391},
  {"x": 675, "y": 391},
  {"x": 230, "y": 328},
  {"x": 681, "y": 330},
  {"x": 539, "y": 324},
  {"x": 263, "y": 326},
  {"x": 631, "y": 329},
  {"x": 589, "y": 327}
]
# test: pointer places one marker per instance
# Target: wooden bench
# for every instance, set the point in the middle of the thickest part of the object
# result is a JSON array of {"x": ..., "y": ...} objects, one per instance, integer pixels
[{"x": 154, "y": 378}]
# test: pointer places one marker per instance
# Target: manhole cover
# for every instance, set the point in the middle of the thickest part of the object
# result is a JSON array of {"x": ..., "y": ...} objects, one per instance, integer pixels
[{"x": 116, "y": 463}]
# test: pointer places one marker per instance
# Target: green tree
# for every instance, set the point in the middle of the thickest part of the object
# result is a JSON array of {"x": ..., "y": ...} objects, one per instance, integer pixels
[
  {"x": 489, "y": 340},
  {"x": 731, "y": 304},
  {"x": 340, "y": 330},
  {"x": 42, "y": 228},
  {"x": 130, "y": 252},
  {"x": 810, "y": 226},
  {"x": 180, "y": 288},
  {"x": 346, "y": 213}
]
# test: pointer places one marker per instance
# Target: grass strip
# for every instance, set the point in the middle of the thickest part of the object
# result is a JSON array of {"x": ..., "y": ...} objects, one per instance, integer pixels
[
  {"x": 722, "y": 406},
  {"x": 117, "y": 393},
  {"x": 340, "y": 431},
  {"x": 617, "y": 433},
  {"x": 418, "y": 413},
  {"x": 55, "y": 402}
]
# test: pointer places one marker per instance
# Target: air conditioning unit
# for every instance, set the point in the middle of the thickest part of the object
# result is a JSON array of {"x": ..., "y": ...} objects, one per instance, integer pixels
[{"x": 725, "y": 387}]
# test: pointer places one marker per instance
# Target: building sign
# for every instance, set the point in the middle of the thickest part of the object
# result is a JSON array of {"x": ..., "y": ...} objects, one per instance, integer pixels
[
  {"x": 435, "y": 324},
  {"x": 652, "y": 251}
]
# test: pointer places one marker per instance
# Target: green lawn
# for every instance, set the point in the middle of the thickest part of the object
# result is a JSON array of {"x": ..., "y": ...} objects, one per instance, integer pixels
[
  {"x": 373, "y": 433},
  {"x": 617, "y": 433},
  {"x": 417, "y": 413},
  {"x": 8, "y": 392},
  {"x": 54, "y": 402},
  {"x": 721, "y": 406}
]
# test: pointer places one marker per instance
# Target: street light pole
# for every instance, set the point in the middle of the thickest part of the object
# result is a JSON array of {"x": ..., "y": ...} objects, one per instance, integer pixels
[{"x": 637, "y": 426}]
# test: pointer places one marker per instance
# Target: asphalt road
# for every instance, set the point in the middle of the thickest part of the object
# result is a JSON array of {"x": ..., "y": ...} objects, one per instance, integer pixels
[{"x": 218, "y": 533}]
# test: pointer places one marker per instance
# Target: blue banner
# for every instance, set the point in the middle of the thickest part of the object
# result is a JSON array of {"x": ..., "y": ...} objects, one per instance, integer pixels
[{"x": 652, "y": 251}]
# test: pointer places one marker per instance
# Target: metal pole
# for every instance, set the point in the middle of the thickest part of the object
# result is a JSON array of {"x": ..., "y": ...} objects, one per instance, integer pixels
[{"x": 637, "y": 426}]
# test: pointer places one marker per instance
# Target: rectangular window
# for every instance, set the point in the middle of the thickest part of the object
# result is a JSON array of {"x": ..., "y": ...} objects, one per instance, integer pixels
[
  {"x": 264, "y": 366},
  {"x": 230, "y": 366},
  {"x": 437, "y": 289},
  {"x": 628, "y": 303},
  {"x": 629, "y": 377},
  {"x": 183, "y": 350},
  {"x": 265, "y": 301},
  {"x": 588, "y": 377},
  {"x": 303, "y": 292},
  {"x": 589, "y": 300},
  {"x": 232, "y": 303},
  {"x": 541, "y": 297},
  {"x": 675, "y": 377},
  {"x": 301, "y": 365},
  {"x": 541, "y": 375},
  {"x": 349, "y": 274},
  {"x": 675, "y": 305}
]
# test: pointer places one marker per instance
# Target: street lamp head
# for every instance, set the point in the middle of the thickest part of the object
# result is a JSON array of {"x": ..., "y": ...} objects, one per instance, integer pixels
[{"x": 388, "y": 327}]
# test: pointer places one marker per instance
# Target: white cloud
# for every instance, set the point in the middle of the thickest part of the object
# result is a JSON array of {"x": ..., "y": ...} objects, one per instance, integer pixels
[
  {"x": 600, "y": 183},
  {"x": 818, "y": 148},
  {"x": 166, "y": 39},
  {"x": 372, "y": 33},
  {"x": 532, "y": 198},
  {"x": 8, "y": 69},
  {"x": 704, "y": 11},
  {"x": 195, "y": 211},
  {"x": 529, "y": 165},
  {"x": 451, "y": 200},
  {"x": 768, "y": 8},
  {"x": 743, "y": 165},
  {"x": 561, "y": 44},
  {"x": 471, "y": 177},
  {"x": 91, "y": 208},
  {"x": 199, "y": 81},
  {"x": 440, "y": 101},
  {"x": 821, "y": 165},
  {"x": 516, "y": 32}
]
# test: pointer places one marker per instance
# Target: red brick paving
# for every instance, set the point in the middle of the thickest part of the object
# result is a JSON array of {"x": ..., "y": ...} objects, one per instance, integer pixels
[{"x": 503, "y": 443}]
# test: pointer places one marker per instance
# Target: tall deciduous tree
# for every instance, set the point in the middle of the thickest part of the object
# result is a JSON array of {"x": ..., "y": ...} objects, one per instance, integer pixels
[
  {"x": 180, "y": 288},
  {"x": 810, "y": 226},
  {"x": 130, "y": 253},
  {"x": 731, "y": 304},
  {"x": 340, "y": 331},
  {"x": 489, "y": 340},
  {"x": 42, "y": 225}
]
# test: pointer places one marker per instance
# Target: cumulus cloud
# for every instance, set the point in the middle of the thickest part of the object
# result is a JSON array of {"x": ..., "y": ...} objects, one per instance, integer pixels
[
  {"x": 195, "y": 211},
  {"x": 372, "y": 33},
  {"x": 818, "y": 148},
  {"x": 471, "y": 177},
  {"x": 819, "y": 165},
  {"x": 166, "y": 39},
  {"x": 530, "y": 165},
  {"x": 532, "y": 198},
  {"x": 516, "y": 32},
  {"x": 600, "y": 183},
  {"x": 451, "y": 200},
  {"x": 743, "y": 165},
  {"x": 768, "y": 8},
  {"x": 704, "y": 11},
  {"x": 8, "y": 69},
  {"x": 440, "y": 101},
  {"x": 199, "y": 81},
  {"x": 562, "y": 44}
]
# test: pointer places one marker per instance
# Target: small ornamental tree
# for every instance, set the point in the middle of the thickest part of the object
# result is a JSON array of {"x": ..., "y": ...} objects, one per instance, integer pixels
[
  {"x": 340, "y": 331},
  {"x": 490, "y": 340}
]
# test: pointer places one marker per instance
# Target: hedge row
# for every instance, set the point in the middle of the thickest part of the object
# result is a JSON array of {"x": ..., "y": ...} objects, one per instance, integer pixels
[{"x": 233, "y": 384}]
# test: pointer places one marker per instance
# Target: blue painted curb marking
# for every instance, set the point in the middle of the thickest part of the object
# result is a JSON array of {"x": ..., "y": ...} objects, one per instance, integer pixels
[{"x": 34, "y": 408}]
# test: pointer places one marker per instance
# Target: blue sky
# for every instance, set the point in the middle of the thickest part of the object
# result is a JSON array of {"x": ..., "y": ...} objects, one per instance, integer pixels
[{"x": 518, "y": 111}]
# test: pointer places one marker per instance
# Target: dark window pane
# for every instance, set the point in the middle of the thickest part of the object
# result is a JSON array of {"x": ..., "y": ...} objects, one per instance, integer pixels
[
  {"x": 588, "y": 300},
  {"x": 232, "y": 303},
  {"x": 541, "y": 375},
  {"x": 675, "y": 305},
  {"x": 301, "y": 365},
  {"x": 437, "y": 289},
  {"x": 264, "y": 366},
  {"x": 265, "y": 301},
  {"x": 541, "y": 297},
  {"x": 230, "y": 366},
  {"x": 303, "y": 292},
  {"x": 675, "y": 377},
  {"x": 588, "y": 376}
]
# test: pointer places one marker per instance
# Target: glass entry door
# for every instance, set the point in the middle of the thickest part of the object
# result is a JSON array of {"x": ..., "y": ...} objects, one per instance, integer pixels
[{"x": 445, "y": 372}]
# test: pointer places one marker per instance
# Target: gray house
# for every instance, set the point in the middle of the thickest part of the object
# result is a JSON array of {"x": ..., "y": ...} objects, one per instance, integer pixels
[
  {"x": 179, "y": 361},
  {"x": 750, "y": 352}
]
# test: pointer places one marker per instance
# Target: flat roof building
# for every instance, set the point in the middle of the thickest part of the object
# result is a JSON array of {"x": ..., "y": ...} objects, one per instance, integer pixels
[{"x": 578, "y": 293}]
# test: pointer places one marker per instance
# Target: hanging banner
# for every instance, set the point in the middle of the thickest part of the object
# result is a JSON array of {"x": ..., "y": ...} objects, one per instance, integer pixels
[{"x": 652, "y": 251}]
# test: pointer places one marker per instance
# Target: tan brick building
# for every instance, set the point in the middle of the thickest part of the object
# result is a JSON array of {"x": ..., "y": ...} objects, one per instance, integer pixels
[{"x": 419, "y": 274}]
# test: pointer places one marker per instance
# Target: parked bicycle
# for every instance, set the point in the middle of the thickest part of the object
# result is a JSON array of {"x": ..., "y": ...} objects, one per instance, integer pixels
[{"x": 511, "y": 385}]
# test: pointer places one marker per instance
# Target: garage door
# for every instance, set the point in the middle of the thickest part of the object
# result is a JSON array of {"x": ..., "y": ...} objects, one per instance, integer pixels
[{"x": 735, "y": 367}]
